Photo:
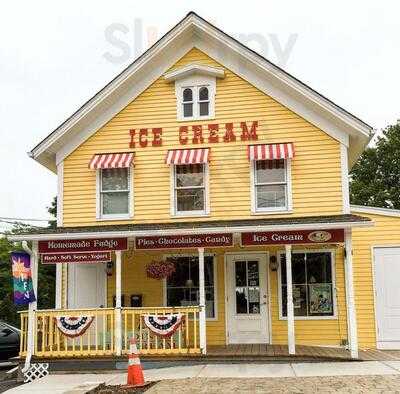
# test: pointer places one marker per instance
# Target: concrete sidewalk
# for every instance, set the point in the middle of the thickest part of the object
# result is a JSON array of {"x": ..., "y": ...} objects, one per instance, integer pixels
[{"x": 80, "y": 383}]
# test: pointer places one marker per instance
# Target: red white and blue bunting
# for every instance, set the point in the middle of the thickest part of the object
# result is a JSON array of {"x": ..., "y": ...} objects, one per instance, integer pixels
[
  {"x": 73, "y": 326},
  {"x": 163, "y": 326}
]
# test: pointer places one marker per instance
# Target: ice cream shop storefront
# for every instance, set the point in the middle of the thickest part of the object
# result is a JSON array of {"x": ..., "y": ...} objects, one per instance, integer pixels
[{"x": 194, "y": 289}]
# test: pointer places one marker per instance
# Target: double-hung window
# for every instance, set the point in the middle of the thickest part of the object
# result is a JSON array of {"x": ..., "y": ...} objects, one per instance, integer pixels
[
  {"x": 270, "y": 185},
  {"x": 313, "y": 286},
  {"x": 182, "y": 287},
  {"x": 195, "y": 102},
  {"x": 190, "y": 189},
  {"x": 114, "y": 192},
  {"x": 270, "y": 177}
]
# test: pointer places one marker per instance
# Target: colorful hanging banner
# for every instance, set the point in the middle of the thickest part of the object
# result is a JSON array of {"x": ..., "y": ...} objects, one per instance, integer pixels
[{"x": 22, "y": 278}]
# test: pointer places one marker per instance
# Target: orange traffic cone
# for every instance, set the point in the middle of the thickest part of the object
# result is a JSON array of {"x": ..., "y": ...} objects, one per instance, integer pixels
[{"x": 135, "y": 372}]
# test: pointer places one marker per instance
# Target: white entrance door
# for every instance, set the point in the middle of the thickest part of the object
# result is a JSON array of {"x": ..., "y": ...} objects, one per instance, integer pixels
[
  {"x": 247, "y": 299},
  {"x": 387, "y": 300},
  {"x": 86, "y": 285}
]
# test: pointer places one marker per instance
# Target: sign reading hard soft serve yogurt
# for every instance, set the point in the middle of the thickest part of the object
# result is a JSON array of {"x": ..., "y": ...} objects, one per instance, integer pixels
[
  {"x": 76, "y": 257},
  {"x": 184, "y": 241}
]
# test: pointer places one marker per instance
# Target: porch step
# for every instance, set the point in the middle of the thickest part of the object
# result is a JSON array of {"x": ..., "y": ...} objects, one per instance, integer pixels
[{"x": 149, "y": 362}]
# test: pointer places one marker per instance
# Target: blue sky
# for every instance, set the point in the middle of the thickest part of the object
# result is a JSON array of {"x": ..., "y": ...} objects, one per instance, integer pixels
[{"x": 53, "y": 58}]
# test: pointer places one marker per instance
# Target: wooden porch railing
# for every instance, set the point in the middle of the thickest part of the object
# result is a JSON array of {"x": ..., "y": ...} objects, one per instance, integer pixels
[
  {"x": 184, "y": 340},
  {"x": 100, "y": 338},
  {"x": 97, "y": 340}
]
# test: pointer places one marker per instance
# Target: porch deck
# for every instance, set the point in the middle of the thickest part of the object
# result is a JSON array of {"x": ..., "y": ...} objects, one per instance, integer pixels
[{"x": 280, "y": 352}]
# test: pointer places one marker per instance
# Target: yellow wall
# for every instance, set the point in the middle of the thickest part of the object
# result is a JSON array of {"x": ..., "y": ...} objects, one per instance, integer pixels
[
  {"x": 385, "y": 232},
  {"x": 311, "y": 332},
  {"x": 316, "y": 183},
  {"x": 315, "y": 169}
]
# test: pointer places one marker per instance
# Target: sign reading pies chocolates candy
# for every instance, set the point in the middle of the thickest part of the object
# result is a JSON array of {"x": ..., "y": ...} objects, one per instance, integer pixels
[{"x": 293, "y": 237}]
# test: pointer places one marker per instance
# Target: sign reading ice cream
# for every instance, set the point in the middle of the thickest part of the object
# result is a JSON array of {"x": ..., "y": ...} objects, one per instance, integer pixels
[
  {"x": 196, "y": 134},
  {"x": 293, "y": 237}
]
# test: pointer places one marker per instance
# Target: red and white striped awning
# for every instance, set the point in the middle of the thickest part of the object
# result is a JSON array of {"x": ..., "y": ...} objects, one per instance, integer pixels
[
  {"x": 271, "y": 151},
  {"x": 188, "y": 156},
  {"x": 111, "y": 160}
]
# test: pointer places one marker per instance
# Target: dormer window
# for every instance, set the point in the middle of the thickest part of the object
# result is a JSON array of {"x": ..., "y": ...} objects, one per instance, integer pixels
[
  {"x": 187, "y": 102},
  {"x": 195, "y": 102},
  {"x": 195, "y": 88},
  {"x": 204, "y": 101}
]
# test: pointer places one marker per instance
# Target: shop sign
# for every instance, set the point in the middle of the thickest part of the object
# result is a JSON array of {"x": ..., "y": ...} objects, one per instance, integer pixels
[
  {"x": 196, "y": 134},
  {"x": 79, "y": 257},
  {"x": 184, "y": 241},
  {"x": 83, "y": 245},
  {"x": 292, "y": 237}
]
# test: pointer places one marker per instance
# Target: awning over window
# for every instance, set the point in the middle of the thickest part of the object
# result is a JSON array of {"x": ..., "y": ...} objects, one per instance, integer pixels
[
  {"x": 111, "y": 160},
  {"x": 271, "y": 151},
  {"x": 188, "y": 156}
]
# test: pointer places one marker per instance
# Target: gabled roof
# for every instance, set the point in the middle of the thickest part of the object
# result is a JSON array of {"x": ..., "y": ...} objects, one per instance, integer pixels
[{"x": 195, "y": 32}]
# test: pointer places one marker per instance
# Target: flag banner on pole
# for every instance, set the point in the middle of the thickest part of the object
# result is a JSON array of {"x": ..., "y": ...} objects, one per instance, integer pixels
[{"x": 22, "y": 278}]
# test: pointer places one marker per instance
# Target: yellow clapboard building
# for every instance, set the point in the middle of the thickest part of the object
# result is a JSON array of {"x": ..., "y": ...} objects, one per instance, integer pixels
[{"x": 203, "y": 203}]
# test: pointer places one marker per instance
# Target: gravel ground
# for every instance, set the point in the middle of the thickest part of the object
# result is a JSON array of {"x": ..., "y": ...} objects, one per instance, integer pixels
[{"x": 337, "y": 384}]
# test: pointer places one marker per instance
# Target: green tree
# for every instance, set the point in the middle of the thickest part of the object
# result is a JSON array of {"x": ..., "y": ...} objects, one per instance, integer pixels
[
  {"x": 46, "y": 275},
  {"x": 375, "y": 178}
]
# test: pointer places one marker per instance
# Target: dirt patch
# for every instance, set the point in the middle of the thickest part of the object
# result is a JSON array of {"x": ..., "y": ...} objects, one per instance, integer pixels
[{"x": 120, "y": 389}]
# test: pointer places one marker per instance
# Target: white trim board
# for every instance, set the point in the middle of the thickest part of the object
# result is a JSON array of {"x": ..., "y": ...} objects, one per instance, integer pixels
[
  {"x": 60, "y": 194},
  {"x": 375, "y": 210},
  {"x": 193, "y": 31}
]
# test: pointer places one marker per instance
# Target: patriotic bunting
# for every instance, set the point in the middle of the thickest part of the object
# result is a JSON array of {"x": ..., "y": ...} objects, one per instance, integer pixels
[
  {"x": 163, "y": 326},
  {"x": 73, "y": 326}
]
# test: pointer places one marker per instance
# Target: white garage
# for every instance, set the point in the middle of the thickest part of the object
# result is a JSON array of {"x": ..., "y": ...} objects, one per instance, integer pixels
[{"x": 387, "y": 296}]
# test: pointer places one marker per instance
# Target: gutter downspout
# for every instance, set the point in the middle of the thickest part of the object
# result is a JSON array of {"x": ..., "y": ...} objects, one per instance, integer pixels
[{"x": 31, "y": 309}]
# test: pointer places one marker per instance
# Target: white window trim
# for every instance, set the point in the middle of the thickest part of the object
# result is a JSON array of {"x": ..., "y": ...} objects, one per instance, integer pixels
[
  {"x": 195, "y": 83},
  {"x": 129, "y": 215},
  {"x": 60, "y": 194},
  {"x": 334, "y": 289},
  {"x": 215, "y": 266},
  {"x": 173, "y": 209},
  {"x": 272, "y": 210}
]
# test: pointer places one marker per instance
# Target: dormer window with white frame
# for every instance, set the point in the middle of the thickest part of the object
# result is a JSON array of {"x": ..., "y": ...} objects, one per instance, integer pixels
[
  {"x": 195, "y": 89},
  {"x": 195, "y": 102}
]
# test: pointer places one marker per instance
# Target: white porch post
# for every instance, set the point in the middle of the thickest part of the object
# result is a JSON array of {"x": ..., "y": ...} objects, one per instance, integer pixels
[
  {"x": 290, "y": 311},
  {"x": 118, "y": 336},
  {"x": 33, "y": 305},
  {"x": 351, "y": 309},
  {"x": 59, "y": 273},
  {"x": 202, "y": 300}
]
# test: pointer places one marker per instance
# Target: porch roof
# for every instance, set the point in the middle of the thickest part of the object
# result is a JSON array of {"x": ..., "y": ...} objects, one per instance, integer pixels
[{"x": 209, "y": 226}]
